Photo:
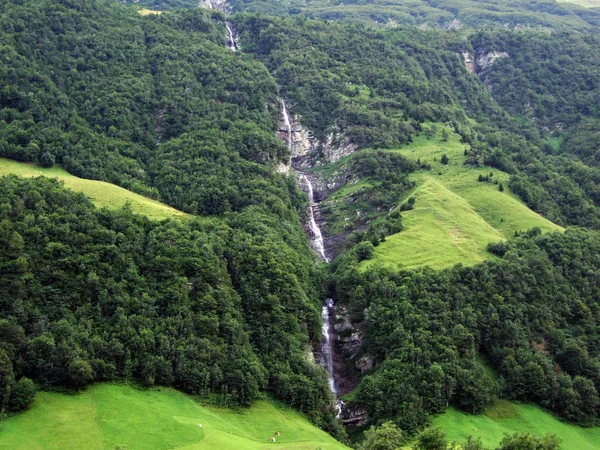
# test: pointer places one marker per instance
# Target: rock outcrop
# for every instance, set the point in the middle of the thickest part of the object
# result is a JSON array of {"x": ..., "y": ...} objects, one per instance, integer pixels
[
  {"x": 306, "y": 150},
  {"x": 217, "y": 5},
  {"x": 480, "y": 63}
]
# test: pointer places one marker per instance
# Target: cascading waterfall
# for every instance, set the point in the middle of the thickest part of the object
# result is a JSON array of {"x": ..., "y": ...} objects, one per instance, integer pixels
[
  {"x": 317, "y": 236},
  {"x": 318, "y": 245},
  {"x": 326, "y": 351},
  {"x": 231, "y": 37},
  {"x": 288, "y": 124}
]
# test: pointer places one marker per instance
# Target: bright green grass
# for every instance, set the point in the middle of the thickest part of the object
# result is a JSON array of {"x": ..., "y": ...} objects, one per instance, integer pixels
[
  {"x": 108, "y": 416},
  {"x": 455, "y": 216},
  {"x": 506, "y": 417},
  {"x": 102, "y": 194},
  {"x": 442, "y": 230}
]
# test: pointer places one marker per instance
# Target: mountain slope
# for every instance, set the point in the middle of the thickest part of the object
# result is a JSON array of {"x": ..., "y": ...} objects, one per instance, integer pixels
[
  {"x": 102, "y": 194},
  {"x": 454, "y": 216},
  {"x": 110, "y": 416}
]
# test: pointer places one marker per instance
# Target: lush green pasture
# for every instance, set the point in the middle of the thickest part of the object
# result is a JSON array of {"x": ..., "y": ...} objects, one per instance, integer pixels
[
  {"x": 108, "y": 416},
  {"x": 102, "y": 194},
  {"x": 506, "y": 417},
  {"x": 455, "y": 216}
]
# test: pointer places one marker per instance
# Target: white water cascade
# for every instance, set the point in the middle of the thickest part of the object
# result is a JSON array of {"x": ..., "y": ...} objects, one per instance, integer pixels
[
  {"x": 326, "y": 351},
  {"x": 318, "y": 245},
  {"x": 231, "y": 37},
  {"x": 288, "y": 124},
  {"x": 317, "y": 236}
]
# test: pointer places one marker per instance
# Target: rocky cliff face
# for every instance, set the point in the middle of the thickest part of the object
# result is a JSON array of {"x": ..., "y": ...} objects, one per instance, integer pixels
[
  {"x": 469, "y": 61},
  {"x": 218, "y": 5},
  {"x": 484, "y": 60},
  {"x": 307, "y": 151},
  {"x": 480, "y": 63}
]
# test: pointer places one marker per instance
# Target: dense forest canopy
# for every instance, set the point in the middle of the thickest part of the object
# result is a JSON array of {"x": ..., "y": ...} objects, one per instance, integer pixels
[
  {"x": 455, "y": 14},
  {"x": 226, "y": 305},
  {"x": 534, "y": 313},
  {"x": 158, "y": 105}
]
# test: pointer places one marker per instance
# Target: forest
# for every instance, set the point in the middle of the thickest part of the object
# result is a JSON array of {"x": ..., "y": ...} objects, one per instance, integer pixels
[
  {"x": 533, "y": 312},
  {"x": 225, "y": 305}
]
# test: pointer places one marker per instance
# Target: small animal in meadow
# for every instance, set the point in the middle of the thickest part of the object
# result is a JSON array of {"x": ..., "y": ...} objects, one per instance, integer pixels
[
  {"x": 278, "y": 433},
  {"x": 271, "y": 439}
]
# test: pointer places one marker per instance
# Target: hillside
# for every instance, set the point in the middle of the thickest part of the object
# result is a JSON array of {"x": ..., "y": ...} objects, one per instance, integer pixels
[
  {"x": 505, "y": 417},
  {"x": 449, "y": 156},
  {"x": 102, "y": 194},
  {"x": 454, "y": 216},
  {"x": 108, "y": 416}
]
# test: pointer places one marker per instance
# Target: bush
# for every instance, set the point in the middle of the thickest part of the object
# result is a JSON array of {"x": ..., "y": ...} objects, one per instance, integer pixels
[
  {"x": 431, "y": 439},
  {"x": 364, "y": 250},
  {"x": 47, "y": 159},
  {"x": 386, "y": 437},
  {"x": 22, "y": 395}
]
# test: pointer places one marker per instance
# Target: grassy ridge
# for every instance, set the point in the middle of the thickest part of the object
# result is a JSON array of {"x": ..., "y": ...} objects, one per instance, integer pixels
[
  {"x": 108, "y": 416},
  {"x": 506, "y": 417},
  {"x": 102, "y": 194},
  {"x": 455, "y": 216}
]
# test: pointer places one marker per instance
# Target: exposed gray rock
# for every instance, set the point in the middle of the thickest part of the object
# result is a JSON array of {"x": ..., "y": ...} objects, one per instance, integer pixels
[
  {"x": 353, "y": 416},
  {"x": 218, "y": 5},
  {"x": 469, "y": 61},
  {"x": 485, "y": 60},
  {"x": 365, "y": 363}
]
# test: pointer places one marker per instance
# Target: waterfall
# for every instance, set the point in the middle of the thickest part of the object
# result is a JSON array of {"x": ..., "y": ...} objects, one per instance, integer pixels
[
  {"x": 288, "y": 124},
  {"x": 317, "y": 236},
  {"x": 327, "y": 312},
  {"x": 326, "y": 350},
  {"x": 231, "y": 37},
  {"x": 328, "y": 309}
]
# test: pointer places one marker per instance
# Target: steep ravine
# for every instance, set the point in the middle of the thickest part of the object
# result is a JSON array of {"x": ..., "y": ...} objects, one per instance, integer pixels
[
  {"x": 330, "y": 354},
  {"x": 332, "y": 351}
]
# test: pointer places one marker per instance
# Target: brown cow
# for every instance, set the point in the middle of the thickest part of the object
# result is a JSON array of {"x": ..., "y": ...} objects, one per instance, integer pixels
[{"x": 278, "y": 433}]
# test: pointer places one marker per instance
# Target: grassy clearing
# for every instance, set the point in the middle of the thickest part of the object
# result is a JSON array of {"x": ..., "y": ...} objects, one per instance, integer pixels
[
  {"x": 147, "y": 12},
  {"x": 455, "y": 216},
  {"x": 108, "y": 416},
  {"x": 506, "y": 417},
  {"x": 102, "y": 194}
]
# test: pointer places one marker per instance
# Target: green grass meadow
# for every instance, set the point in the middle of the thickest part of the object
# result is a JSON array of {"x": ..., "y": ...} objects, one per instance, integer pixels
[
  {"x": 102, "y": 194},
  {"x": 506, "y": 417},
  {"x": 111, "y": 416},
  {"x": 455, "y": 216}
]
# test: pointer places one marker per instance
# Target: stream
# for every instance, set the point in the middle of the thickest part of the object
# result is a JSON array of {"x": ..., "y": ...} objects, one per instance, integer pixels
[{"x": 318, "y": 245}]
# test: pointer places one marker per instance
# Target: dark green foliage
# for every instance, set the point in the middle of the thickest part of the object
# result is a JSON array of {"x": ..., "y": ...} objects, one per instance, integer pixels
[
  {"x": 364, "y": 250},
  {"x": 174, "y": 115},
  {"x": 444, "y": 159},
  {"x": 89, "y": 295},
  {"x": 531, "y": 312},
  {"x": 22, "y": 395},
  {"x": 325, "y": 71},
  {"x": 431, "y": 439},
  {"x": 47, "y": 159},
  {"x": 6, "y": 380},
  {"x": 527, "y": 441},
  {"x": 385, "y": 437},
  {"x": 473, "y": 443},
  {"x": 542, "y": 14},
  {"x": 552, "y": 79},
  {"x": 408, "y": 204}
]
